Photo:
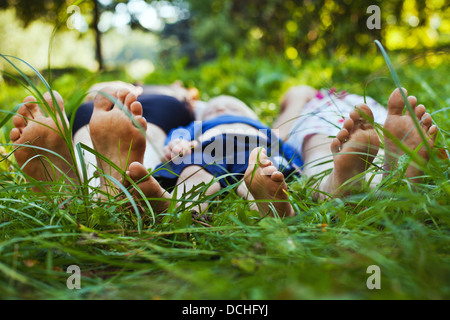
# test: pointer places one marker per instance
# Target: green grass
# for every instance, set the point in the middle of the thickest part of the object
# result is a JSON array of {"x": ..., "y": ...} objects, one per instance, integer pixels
[{"x": 324, "y": 252}]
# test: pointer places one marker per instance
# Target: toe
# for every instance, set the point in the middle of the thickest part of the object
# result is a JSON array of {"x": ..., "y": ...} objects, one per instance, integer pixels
[
  {"x": 420, "y": 111},
  {"x": 142, "y": 122},
  {"x": 136, "y": 171},
  {"x": 19, "y": 122},
  {"x": 343, "y": 135},
  {"x": 14, "y": 135},
  {"x": 335, "y": 146},
  {"x": 58, "y": 100},
  {"x": 277, "y": 176},
  {"x": 396, "y": 102},
  {"x": 269, "y": 171},
  {"x": 130, "y": 99},
  {"x": 149, "y": 187},
  {"x": 33, "y": 107},
  {"x": 433, "y": 132},
  {"x": 24, "y": 112},
  {"x": 254, "y": 155},
  {"x": 413, "y": 103},
  {"x": 355, "y": 116},
  {"x": 364, "y": 112},
  {"x": 122, "y": 94},
  {"x": 426, "y": 121},
  {"x": 264, "y": 160},
  {"x": 348, "y": 125},
  {"x": 102, "y": 102},
  {"x": 136, "y": 108}
]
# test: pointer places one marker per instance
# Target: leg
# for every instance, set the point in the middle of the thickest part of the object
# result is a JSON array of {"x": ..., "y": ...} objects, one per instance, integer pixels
[
  {"x": 292, "y": 105},
  {"x": 189, "y": 178},
  {"x": 402, "y": 127},
  {"x": 32, "y": 127},
  {"x": 317, "y": 155},
  {"x": 83, "y": 136}
]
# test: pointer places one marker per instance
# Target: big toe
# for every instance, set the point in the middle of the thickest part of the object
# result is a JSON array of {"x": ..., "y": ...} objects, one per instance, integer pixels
[
  {"x": 277, "y": 176},
  {"x": 136, "y": 171},
  {"x": 396, "y": 102},
  {"x": 30, "y": 107},
  {"x": 362, "y": 114},
  {"x": 104, "y": 99},
  {"x": 257, "y": 155},
  {"x": 54, "y": 100}
]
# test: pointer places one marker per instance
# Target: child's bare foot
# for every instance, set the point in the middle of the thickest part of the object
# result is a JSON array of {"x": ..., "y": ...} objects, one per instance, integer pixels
[
  {"x": 354, "y": 149},
  {"x": 266, "y": 183},
  {"x": 33, "y": 127},
  {"x": 149, "y": 187},
  {"x": 402, "y": 127},
  {"x": 114, "y": 134}
]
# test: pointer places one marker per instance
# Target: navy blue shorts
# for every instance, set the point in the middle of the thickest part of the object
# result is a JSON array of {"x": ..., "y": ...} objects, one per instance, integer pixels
[
  {"x": 224, "y": 156},
  {"x": 163, "y": 111}
]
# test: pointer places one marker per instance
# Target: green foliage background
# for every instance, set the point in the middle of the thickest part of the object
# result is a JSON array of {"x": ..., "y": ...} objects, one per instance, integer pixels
[{"x": 322, "y": 253}]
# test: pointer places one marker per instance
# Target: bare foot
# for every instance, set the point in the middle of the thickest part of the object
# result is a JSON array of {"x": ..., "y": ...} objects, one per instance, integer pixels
[
  {"x": 402, "y": 127},
  {"x": 266, "y": 183},
  {"x": 354, "y": 149},
  {"x": 149, "y": 187},
  {"x": 114, "y": 134},
  {"x": 33, "y": 128}
]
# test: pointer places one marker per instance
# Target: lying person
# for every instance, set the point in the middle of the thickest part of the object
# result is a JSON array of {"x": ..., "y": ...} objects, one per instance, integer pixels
[
  {"x": 353, "y": 150},
  {"x": 314, "y": 122},
  {"x": 220, "y": 146},
  {"x": 116, "y": 136},
  {"x": 163, "y": 105}
]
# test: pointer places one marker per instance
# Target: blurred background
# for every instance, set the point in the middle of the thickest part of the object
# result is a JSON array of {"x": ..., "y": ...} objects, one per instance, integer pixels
[{"x": 252, "y": 49}]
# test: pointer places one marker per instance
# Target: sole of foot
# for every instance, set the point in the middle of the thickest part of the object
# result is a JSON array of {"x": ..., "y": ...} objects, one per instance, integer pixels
[
  {"x": 114, "y": 133},
  {"x": 267, "y": 185},
  {"x": 354, "y": 149},
  {"x": 149, "y": 187},
  {"x": 401, "y": 125},
  {"x": 32, "y": 128}
]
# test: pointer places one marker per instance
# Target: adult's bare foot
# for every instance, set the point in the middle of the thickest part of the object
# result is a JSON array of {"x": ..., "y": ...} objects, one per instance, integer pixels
[
  {"x": 115, "y": 136},
  {"x": 402, "y": 127},
  {"x": 354, "y": 149},
  {"x": 150, "y": 188},
  {"x": 267, "y": 185},
  {"x": 42, "y": 140}
]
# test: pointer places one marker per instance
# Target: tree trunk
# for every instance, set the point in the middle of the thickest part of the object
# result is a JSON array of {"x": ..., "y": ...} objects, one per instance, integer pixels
[{"x": 98, "y": 36}]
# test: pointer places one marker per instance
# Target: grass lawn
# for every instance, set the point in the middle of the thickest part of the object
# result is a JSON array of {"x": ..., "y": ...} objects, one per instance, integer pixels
[{"x": 323, "y": 252}]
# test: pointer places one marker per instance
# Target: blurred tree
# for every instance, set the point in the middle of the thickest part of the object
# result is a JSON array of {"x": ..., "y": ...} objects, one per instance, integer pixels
[
  {"x": 304, "y": 27},
  {"x": 56, "y": 11},
  {"x": 298, "y": 28}
]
